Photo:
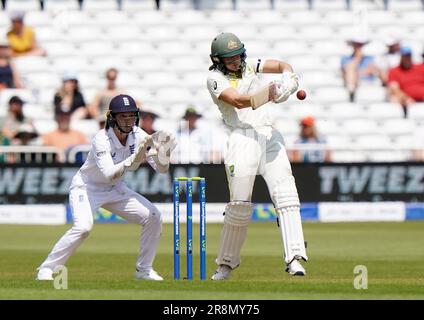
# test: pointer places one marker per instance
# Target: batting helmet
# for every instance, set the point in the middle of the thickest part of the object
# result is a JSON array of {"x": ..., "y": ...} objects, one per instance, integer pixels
[
  {"x": 119, "y": 104},
  {"x": 226, "y": 45}
]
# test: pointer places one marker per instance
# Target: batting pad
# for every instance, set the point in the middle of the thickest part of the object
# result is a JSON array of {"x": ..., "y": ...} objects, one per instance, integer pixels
[
  {"x": 232, "y": 239},
  {"x": 234, "y": 231},
  {"x": 291, "y": 233}
]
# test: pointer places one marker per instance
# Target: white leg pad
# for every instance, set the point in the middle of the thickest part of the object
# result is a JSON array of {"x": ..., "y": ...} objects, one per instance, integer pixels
[
  {"x": 286, "y": 201},
  {"x": 236, "y": 220},
  {"x": 292, "y": 234}
]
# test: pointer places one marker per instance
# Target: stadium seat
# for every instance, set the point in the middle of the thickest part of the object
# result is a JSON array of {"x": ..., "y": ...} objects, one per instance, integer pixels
[
  {"x": 405, "y": 5},
  {"x": 339, "y": 18},
  {"x": 110, "y": 18},
  {"x": 43, "y": 126},
  {"x": 384, "y": 110},
  {"x": 138, "y": 5},
  {"x": 158, "y": 34},
  {"x": 90, "y": 80},
  {"x": 416, "y": 111},
  {"x": 265, "y": 17},
  {"x": 38, "y": 112},
  {"x": 289, "y": 48},
  {"x": 82, "y": 34},
  {"x": 99, "y": 5},
  {"x": 29, "y": 64},
  {"x": 76, "y": 63},
  {"x": 411, "y": 18},
  {"x": 122, "y": 33},
  {"x": 36, "y": 18},
  {"x": 280, "y": 33},
  {"x": 328, "y": 127},
  {"x": 330, "y": 94},
  {"x": 199, "y": 32},
  {"x": 304, "y": 109},
  {"x": 301, "y": 17},
  {"x": 137, "y": 50},
  {"x": 188, "y": 18},
  {"x": 4, "y": 21},
  {"x": 287, "y": 127},
  {"x": 22, "y": 5},
  {"x": 96, "y": 48},
  {"x": 316, "y": 79},
  {"x": 184, "y": 64},
  {"x": 61, "y": 5},
  {"x": 253, "y": 5},
  {"x": 330, "y": 48},
  {"x": 397, "y": 127},
  {"x": 196, "y": 79},
  {"x": 348, "y": 156},
  {"x": 173, "y": 48},
  {"x": 60, "y": 48},
  {"x": 42, "y": 80},
  {"x": 315, "y": 32},
  {"x": 87, "y": 126},
  {"x": 303, "y": 63},
  {"x": 345, "y": 110},
  {"x": 160, "y": 80},
  {"x": 369, "y": 93},
  {"x": 222, "y": 18},
  {"x": 357, "y": 127}
]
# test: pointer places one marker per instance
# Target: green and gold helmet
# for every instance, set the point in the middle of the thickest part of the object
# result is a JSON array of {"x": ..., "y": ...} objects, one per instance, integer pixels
[{"x": 226, "y": 45}]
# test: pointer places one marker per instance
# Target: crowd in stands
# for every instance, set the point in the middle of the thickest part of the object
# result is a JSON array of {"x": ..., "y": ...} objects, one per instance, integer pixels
[{"x": 395, "y": 71}]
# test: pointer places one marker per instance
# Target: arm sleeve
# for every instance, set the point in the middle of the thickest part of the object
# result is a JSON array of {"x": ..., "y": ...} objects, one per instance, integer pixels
[
  {"x": 112, "y": 172},
  {"x": 217, "y": 84}
]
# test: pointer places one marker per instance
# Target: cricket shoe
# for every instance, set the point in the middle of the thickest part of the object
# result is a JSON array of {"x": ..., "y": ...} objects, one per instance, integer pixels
[
  {"x": 44, "y": 274},
  {"x": 147, "y": 274},
  {"x": 295, "y": 268},
  {"x": 222, "y": 273}
]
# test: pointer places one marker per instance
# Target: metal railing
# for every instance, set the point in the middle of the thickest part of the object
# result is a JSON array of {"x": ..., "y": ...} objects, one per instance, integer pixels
[
  {"x": 78, "y": 154},
  {"x": 31, "y": 154}
]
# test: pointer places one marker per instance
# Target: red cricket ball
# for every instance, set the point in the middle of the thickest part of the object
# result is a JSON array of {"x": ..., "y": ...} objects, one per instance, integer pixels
[{"x": 301, "y": 94}]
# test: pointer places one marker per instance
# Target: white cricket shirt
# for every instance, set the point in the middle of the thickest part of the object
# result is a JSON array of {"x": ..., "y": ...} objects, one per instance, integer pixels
[
  {"x": 249, "y": 83},
  {"x": 106, "y": 151}
]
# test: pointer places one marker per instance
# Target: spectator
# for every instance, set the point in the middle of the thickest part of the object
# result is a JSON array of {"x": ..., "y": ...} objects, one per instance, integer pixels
[
  {"x": 406, "y": 81},
  {"x": 357, "y": 66},
  {"x": 22, "y": 38},
  {"x": 147, "y": 120},
  {"x": 101, "y": 101},
  {"x": 3, "y": 142},
  {"x": 9, "y": 76},
  {"x": 192, "y": 141},
  {"x": 388, "y": 60},
  {"x": 16, "y": 123},
  {"x": 64, "y": 137},
  {"x": 25, "y": 134},
  {"x": 69, "y": 97},
  {"x": 308, "y": 135}
]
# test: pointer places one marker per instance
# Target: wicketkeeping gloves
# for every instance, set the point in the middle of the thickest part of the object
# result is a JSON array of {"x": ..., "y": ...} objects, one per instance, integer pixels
[{"x": 140, "y": 153}]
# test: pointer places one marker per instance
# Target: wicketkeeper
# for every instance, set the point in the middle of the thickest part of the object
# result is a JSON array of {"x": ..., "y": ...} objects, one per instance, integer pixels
[
  {"x": 122, "y": 146},
  {"x": 254, "y": 147}
]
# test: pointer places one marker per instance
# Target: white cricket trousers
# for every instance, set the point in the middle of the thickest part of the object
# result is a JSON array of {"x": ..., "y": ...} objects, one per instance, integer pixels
[
  {"x": 120, "y": 200},
  {"x": 252, "y": 152}
]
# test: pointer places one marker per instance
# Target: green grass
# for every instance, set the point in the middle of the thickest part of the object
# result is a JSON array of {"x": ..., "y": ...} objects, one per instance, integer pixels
[{"x": 103, "y": 266}]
